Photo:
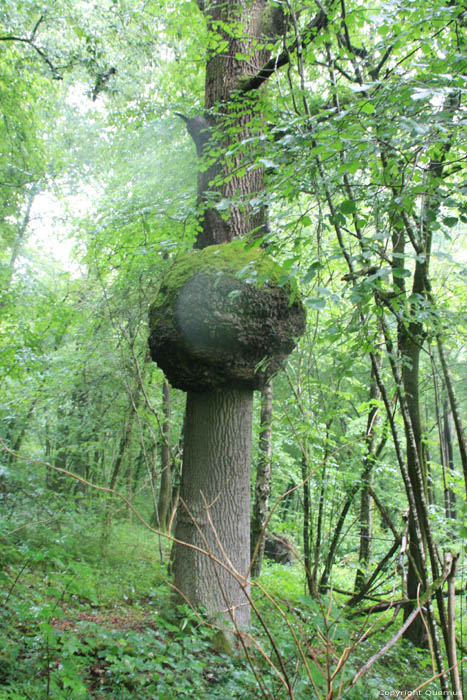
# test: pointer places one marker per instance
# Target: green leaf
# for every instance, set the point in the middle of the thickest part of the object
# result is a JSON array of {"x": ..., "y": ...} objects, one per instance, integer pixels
[
  {"x": 348, "y": 207},
  {"x": 317, "y": 303},
  {"x": 367, "y": 108},
  {"x": 450, "y": 221},
  {"x": 401, "y": 272},
  {"x": 312, "y": 270},
  {"x": 223, "y": 205}
]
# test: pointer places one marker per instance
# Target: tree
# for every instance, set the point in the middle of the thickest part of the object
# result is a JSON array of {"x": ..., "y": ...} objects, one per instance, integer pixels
[
  {"x": 347, "y": 172},
  {"x": 214, "y": 511},
  {"x": 387, "y": 242}
]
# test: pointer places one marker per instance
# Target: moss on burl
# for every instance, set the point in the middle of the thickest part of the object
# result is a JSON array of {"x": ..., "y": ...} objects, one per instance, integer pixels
[{"x": 222, "y": 320}]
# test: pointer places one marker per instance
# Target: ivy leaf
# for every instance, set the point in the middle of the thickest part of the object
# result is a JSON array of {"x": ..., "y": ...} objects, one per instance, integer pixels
[
  {"x": 351, "y": 167},
  {"x": 312, "y": 270}
]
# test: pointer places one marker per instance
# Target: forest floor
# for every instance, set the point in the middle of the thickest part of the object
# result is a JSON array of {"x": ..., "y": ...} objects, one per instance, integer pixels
[{"x": 82, "y": 619}]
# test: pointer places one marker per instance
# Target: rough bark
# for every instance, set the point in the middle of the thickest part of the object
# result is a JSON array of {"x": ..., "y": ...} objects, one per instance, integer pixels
[
  {"x": 212, "y": 330},
  {"x": 214, "y": 494},
  {"x": 230, "y": 119}
]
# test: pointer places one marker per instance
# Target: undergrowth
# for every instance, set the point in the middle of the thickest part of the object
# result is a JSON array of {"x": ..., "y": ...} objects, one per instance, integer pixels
[{"x": 79, "y": 620}]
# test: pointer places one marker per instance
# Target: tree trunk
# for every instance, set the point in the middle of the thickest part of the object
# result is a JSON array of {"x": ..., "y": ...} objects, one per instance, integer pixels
[
  {"x": 448, "y": 450},
  {"x": 263, "y": 481},
  {"x": 410, "y": 343},
  {"x": 366, "y": 529},
  {"x": 456, "y": 414},
  {"x": 124, "y": 444},
  {"x": 214, "y": 511},
  {"x": 165, "y": 492},
  {"x": 320, "y": 518},
  {"x": 308, "y": 530},
  {"x": 215, "y": 483},
  {"x": 366, "y": 519}
]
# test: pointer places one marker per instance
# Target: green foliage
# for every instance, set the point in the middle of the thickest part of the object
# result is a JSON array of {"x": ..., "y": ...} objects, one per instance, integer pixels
[
  {"x": 351, "y": 144},
  {"x": 76, "y": 623}
]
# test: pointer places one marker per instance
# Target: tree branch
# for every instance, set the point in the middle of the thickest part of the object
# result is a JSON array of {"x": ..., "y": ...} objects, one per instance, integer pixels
[
  {"x": 374, "y": 72},
  {"x": 36, "y": 27},
  {"x": 422, "y": 601},
  {"x": 319, "y": 22},
  {"x": 30, "y": 42}
]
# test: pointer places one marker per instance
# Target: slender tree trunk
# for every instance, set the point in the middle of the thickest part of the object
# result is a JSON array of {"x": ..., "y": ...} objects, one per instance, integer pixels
[
  {"x": 366, "y": 530},
  {"x": 365, "y": 498},
  {"x": 452, "y": 562},
  {"x": 263, "y": 481},
  {"x": 421, "y": 543},
  {"x": 323, "y": 582},
  {"x": 165, "y": 492},
  {"x": 307, "y": 530},
  {"x": 214, "y": 511},
  {"x": 461, "y": 439},
  {"x": 55, "y": 480},
  {"x": 320, "y": 516},
  {"x": 410, "y": 342},
  {"x": 22, "y": 433},
  {"x": 449, "y": 463},
  {"x": 124, "y": 443}
]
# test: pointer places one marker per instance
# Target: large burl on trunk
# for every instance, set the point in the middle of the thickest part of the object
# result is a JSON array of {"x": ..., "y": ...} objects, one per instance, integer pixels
[
  {"x": 220, "y": 328},
  {"x": 219, "y": 322}
]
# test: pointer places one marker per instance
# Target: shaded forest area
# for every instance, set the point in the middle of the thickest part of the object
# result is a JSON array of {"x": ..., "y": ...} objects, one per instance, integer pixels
[{"x": 233, "y": 266}]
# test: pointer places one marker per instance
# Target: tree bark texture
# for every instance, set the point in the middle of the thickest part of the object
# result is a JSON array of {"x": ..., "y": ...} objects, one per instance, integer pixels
[
  {"x": 263, "y": 481},
  {"x": 214, "y": 511},
  {"x": 231, "y": 118}
]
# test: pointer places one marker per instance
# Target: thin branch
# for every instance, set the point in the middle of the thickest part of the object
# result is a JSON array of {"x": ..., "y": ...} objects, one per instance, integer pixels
[
  {"x": 41, "y": 53},
  {"x": 430, "y": 680},
  {"x": 36, "y": 522},
  {"x": 374, "y": 72},
  {"x": 423, "y": 599},
  {"x": 36, "y": 27}
]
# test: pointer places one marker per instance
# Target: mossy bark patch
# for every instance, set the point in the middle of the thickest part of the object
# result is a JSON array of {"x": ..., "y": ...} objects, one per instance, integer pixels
[{"x": 210, "y": 329}]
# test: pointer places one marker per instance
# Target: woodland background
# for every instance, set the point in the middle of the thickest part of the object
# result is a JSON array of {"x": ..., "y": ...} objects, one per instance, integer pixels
[{"x": 360, "y": 132}]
